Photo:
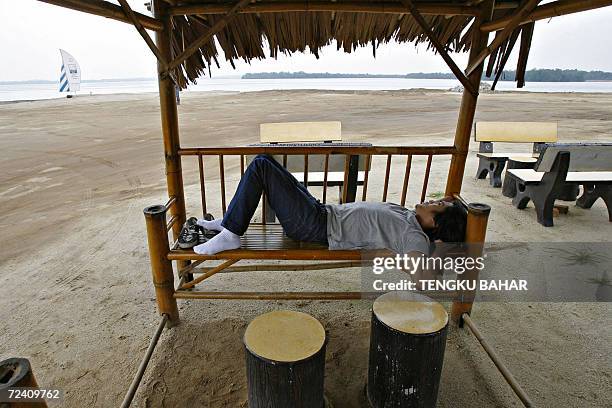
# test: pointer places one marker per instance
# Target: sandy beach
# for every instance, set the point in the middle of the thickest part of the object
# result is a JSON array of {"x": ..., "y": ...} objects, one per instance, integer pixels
[{"x": 76, "y": 296}]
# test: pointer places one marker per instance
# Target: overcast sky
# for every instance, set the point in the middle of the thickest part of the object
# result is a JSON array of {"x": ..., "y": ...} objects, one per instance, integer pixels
[{"x": 32, "y": 32}]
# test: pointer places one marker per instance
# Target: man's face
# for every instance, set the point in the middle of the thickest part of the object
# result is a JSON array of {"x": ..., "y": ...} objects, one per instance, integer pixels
[{"x": 427, "y": 211}]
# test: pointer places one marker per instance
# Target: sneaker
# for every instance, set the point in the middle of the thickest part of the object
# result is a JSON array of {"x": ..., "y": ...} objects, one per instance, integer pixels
[
  {"x": 189, "y": 236},
  {"x": 208, "y": 234}
]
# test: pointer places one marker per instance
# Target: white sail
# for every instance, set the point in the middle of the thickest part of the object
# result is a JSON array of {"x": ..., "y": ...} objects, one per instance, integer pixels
[{"x": 70, "y": 77}]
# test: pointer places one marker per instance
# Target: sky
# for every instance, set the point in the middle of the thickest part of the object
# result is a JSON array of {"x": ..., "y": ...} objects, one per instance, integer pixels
[{"x": 32, "y": 32}]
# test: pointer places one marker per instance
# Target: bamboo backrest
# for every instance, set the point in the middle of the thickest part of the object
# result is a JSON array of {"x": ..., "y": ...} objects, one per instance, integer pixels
[
  {"x": 392, "y": 185},
  {"x": 516, "y": 132}
]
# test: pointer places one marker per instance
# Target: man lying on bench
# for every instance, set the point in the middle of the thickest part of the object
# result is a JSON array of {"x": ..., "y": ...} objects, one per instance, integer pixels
[{"x": 358, "y": 225}]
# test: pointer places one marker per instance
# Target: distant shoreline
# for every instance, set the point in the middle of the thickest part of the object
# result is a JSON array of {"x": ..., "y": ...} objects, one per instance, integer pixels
[
  {"x": 533, "y": 75},
  {"x": 111, "y": 97}
]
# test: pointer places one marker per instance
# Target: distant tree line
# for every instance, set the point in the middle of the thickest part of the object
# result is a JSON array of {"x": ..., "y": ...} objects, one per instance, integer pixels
[
  {"x": 534, "y": 75},
  {"x": 302, "y": 75}
]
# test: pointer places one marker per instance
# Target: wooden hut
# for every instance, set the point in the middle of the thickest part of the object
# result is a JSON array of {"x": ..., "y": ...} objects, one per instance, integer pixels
[{"x": 191, "y": 37}]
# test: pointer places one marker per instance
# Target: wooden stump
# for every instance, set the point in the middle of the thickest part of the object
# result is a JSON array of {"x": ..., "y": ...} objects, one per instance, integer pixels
[
  {"x": 17, "y": 372},
  {"x": 285, "y": 360},
  {"x": 407, "y": 342}
]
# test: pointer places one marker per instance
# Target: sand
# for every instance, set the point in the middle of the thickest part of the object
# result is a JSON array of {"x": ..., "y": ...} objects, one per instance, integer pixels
[{"x": 75, "y": 291}]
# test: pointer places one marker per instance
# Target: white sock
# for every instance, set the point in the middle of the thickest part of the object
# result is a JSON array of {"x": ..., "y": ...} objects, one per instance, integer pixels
[
  {"x": 223, "y": 241},
  {"x": 214, "y": 225}
]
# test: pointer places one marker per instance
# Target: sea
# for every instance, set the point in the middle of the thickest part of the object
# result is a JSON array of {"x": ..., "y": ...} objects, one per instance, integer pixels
[{"x": 10, "y": 92}]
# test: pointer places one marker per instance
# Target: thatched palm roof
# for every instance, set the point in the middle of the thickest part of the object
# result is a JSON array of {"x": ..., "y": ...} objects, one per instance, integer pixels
[{"x": 247, "y": 35}]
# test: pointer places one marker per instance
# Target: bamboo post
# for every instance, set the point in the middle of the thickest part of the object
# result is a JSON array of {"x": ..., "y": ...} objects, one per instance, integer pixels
[
  {"x": 475, "y": 233},
  {"x": 161, "y": 266},
  {"x": 468, "y": 104},
  {"x": 169, "y": 122}
]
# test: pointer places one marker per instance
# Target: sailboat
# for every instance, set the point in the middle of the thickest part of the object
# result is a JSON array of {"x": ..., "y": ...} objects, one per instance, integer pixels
[{"x": 70, "y": 77}]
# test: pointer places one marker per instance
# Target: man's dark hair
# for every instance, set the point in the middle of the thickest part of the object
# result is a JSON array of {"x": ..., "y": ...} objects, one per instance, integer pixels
[{"x": 450, "y": 224}]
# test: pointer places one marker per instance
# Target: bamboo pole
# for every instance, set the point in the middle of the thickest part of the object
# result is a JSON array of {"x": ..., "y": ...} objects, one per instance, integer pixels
[
  {"x": 108, "y": 10},
  {"x": 276, "y": 254},
  {"x": 555, "y": 9},
  {"x": 129, "y": 396},
  {"x": 169, "y": 122},
  {"x": 316, "y": 150},
  {"x": 284, "y": 267},
  {"x": 447, "y": 9},
  {"x": 325, "y": 176},
  {"x": 202, "y": 185},
  {"x": 475, "y": 233},
  {"x": 406, "y": 179},
  {"x": 514, "y": 22},
  {"x": 387, "y": 174},
  {"x": 441, "y": 48},
  {"x": 208, "y": 274},
  {"x": 222, "y": 181},
  {"x": 143, "y": 33},
  {"x": 189, "y": 268},
  {"x": 364, "y": 192},
  {"x": 426, "y": 178},
  {"x": 170, "y": 202},
  {"x": 269, "y": 295},
  {"x": 468, "y": 106},
  {"x": 306, "y": 170},
  {"x": 347, "y": 163},
  {"x": 496, "y": 359},
  {"x": 171, "y": 222},
  {"x": 161, "y": 267}
]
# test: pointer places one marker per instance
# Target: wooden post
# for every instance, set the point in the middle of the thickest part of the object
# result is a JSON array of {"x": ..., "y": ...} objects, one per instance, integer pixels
[
  {"x": 169, "y": 122},
  {"x": 14, "y": 373},
  {"x": 285, "y": 360},
  {"x": 468, "y": 104},
  {"x": 475, "y": 233},
  {"x": 407, "y": 342},
  {"x": 161, "y": 266}
]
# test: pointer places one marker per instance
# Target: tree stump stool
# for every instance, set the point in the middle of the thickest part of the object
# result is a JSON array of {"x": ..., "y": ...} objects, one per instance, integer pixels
[
  {"x": 16, "y": 373},
  {"x": 285, "y": 360},
  {"x": 407, "y": 342}
]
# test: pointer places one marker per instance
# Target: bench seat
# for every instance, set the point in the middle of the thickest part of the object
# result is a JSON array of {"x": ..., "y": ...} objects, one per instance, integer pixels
[
  {"x": 579, "y": 177},
  {"x": 268, "y": 241}
]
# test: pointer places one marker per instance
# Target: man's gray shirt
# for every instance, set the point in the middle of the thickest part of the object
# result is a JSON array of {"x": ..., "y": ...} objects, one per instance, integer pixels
[{"x": 366, "y": 225}]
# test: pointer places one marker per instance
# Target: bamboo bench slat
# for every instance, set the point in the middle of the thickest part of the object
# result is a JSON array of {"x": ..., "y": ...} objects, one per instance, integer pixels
[{"x": 267, "y": 241}]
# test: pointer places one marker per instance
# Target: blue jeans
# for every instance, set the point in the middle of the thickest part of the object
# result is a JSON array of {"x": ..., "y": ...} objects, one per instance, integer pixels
[{"x": 302, "y": 216}]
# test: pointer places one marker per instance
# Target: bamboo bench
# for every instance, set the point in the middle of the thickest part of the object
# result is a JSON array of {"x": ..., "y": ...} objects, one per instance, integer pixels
[
  {"x": 492, "y": 163},
  {"x": 589, "y": 165},
  {"x": 264, "y": 241}
]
